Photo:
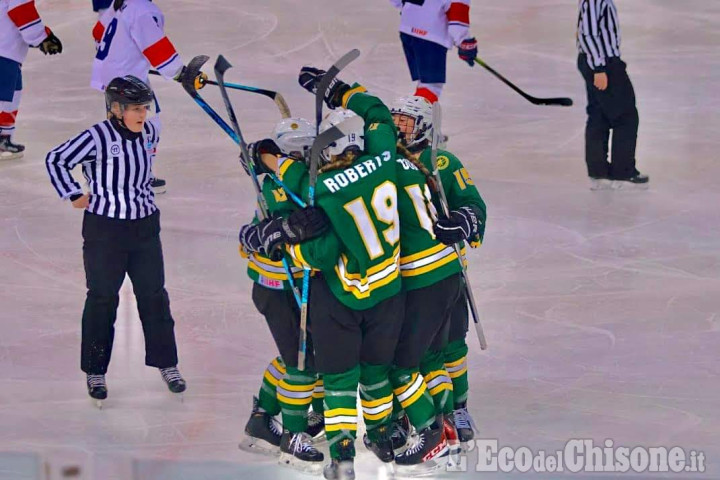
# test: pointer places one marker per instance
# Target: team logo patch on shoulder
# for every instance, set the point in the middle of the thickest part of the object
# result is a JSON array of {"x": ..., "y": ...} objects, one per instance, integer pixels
[
  {"x": 442, "y": 162},
  {"x": 115, "y": 149},
  {"x": 373, "y": 126}
]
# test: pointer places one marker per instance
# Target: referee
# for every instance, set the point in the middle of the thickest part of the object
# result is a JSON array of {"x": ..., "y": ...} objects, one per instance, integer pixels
[
  {"x": 121, "y": 231},
  {"x": 611, "y": 99}
]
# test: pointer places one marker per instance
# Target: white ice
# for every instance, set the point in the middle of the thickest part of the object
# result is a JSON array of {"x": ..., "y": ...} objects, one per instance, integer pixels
[{"x": 601, "y": 308}]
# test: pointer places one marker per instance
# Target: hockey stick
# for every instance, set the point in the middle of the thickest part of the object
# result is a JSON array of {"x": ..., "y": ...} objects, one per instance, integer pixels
[
  {"x": 222, "y": 66},
  {"x": 275, "y": 96},
  {"x": 320, "y": 91},
  {"x": 561, "y": 101},
  {"x": 436, "y": 134},
  {"x": 189, "y": 85}
]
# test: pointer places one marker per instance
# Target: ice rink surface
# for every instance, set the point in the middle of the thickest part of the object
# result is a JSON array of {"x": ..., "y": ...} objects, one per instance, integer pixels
[{"x": 602, "y": 309}]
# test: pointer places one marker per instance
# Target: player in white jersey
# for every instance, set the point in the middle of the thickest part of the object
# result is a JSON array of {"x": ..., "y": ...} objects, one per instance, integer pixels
[
  {"x": 131, "y": 40},
  {"x": 20, "y": 28},
  {"x": 428, "y": 29}
]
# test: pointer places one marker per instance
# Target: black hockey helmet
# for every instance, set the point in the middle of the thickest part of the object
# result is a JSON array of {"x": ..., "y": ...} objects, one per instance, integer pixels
[{"x": 128, "y": 90}]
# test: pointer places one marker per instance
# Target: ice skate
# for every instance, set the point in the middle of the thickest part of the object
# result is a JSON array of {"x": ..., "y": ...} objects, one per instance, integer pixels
[
  {"x": 10, "y": 150},
  {"x": 451, "y": 435},
  {"x": 316, "y": 425},
  {"x": 262, "y": 432},
  {"x": 298, "y": 452},
  {"x": 97, "y": 389},
  {"x": 638, "y": 181},
  {"x": 158, "y": 185},
  {"x": 175, "y": 382},
  {"x": 343, "y": 467},
  {"x": 400, "y": 430},
  {"x": 382, "y": 447},
  {"x": 600, "y": 183},
  {"x": 427, "y": 452},
  {"x": 463, "y": 423}
]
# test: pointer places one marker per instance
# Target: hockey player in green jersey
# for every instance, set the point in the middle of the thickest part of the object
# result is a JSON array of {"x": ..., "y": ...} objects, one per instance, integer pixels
[
  {"x": 413, "y": 117},
  {"x": 285, "y": 387},
  {"x": 356, "y": 303}
]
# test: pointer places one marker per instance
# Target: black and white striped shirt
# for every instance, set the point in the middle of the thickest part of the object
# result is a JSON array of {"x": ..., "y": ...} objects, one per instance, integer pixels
[
  {"x": 598, "y": 33},
  {"x": 118, "y": 171}
]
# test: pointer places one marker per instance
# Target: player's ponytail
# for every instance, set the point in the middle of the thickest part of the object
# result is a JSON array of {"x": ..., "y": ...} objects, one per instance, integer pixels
[
  {"x": 341, "y": 161},
  {"x": 415, "y": 159}
]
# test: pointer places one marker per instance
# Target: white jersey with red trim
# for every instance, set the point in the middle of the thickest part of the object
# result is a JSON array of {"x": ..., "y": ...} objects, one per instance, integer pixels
[
  {"x": 20, "y": 28},
  {"x": 446, "y": 22},
  {"x": 131, "y": 41}
]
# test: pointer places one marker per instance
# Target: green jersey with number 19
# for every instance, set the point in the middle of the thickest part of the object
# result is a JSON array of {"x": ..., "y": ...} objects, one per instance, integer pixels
[{"x": 360, "y": 256}]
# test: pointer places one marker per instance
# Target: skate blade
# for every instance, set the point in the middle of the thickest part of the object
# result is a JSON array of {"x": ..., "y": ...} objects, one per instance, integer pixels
[
  {"x": 289, "y": 461},
  {"x": 629, "y": 186},
  {"x": 98, "y": 403},
  {"x": 258, "y": 446},
  {"x": 10, "y": 156},
  {"x": 424, "y": 469}
]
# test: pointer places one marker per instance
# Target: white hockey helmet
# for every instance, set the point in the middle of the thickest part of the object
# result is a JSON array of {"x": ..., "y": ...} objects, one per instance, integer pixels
[
  {"x": 420, "y": 109},
  {"x": 294, "y": 135},
  {"x": 353, "y": 140}
]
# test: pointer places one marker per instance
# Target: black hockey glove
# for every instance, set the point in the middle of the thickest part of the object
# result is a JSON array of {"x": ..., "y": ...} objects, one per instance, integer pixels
[
  {"x": 300, "y": 226},
  {"x": 256, "y": 150},
  {"x": 250, "y": 238},
  {"x": 200, "y": 78},
  {"x": 310, "y": 78},
  {"x": 461, "y": 225},
  {"x": 51, "y": 45}
]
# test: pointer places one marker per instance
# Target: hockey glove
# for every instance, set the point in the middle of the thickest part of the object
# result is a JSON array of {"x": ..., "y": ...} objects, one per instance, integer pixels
[
  {"x": 256, "y": 150},
  {"x": 51, "y": 45},
  {"x": 300, "y": 226},
  {"x": 200, "y": 78},
  {"x": 310, "y": 78},
  {"x": 250, "y": 238},
  {"x": 468, "y": 50},
  {"x": 461, "y": 225}
]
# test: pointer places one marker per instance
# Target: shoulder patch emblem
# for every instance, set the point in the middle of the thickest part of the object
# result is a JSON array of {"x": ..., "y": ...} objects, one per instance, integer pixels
[
  {"x": 373, "y": 126},
  {"x": 442, "y": 162}
]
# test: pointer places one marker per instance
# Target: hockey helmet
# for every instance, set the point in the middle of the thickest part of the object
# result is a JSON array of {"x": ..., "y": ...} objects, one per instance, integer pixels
[
  {"x": 294, "y": 136},
  {"x": 354, "y": 140},
  {"x": 420, "y": 110},
  {"x": 128, "y": 90}
]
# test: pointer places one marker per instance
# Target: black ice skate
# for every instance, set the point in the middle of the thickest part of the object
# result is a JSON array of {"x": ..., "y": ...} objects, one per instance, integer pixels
[
  {"x": 464, "y": 423},
  {"x": 382, "y": 447},
  {"x": 316, "y": 424},
  {"x": 343, "y": 467},
  {"x": 158, "y": 186},
  {"x": 97, "y": 388},
  {"x": 298, "y": 452},
  {"x": 263, "y": 432},
  {"x": 400, "y": 430},
  {"x": 638, "y": 181},
  {"x": 427, "y": 451},
  {"x": 10, "y": 150},
  {"x": 173, "y": 379}
]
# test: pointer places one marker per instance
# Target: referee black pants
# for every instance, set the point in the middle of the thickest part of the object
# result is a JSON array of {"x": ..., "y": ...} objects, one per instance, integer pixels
[
  {"x": 612, "y": 109},
  {"x": 111, "y": 249}
]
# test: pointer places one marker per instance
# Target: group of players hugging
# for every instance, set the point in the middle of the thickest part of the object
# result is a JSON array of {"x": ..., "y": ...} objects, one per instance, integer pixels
[
  {"x": 387, "y": 313},
  {"x": 387, "y": 309}
]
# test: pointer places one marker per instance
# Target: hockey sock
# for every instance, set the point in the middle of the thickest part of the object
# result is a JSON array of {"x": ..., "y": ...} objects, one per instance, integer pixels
[
  {"x": 438, "y": 381},
  {"x": 430, "y": 91},
  {"x": 455, "y": 354},
  {"x": 398, "y": 411},
  {"x": 294, "y": 393},
  {"x": 341, "y": 407},
  {"x": 318, "y": 396},
  {"x": 267, "y": 399},
  {"x": 8, "y": 114},
  {"x": 376, "y": 397},
  {"x": 411, "y": 391}
]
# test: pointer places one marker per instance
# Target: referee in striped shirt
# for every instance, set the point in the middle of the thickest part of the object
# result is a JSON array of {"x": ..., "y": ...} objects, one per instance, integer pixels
[
  {"x": 611, "y": 98},
  {"x": 121, "y": 230}
]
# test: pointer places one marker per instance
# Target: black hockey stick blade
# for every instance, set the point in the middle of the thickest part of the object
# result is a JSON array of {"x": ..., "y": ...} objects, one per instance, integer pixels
[
  {"x": 558, "y": 101},
  {"x": 192, "y": 70},
  {"x": 327, "y": 79}
]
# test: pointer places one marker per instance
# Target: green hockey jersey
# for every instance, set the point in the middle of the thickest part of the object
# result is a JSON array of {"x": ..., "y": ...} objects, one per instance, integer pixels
[
  {"x": 423, "y": 260},
  {"x": 360, "y": 256},
  {"x": 459, "y": 187},
  {"x": 261, "y": 269}
]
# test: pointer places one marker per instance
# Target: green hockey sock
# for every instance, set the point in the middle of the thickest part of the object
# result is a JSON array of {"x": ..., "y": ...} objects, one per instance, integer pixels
[
  {"x": 411, "y": 391},
  {"x": 438, "y": 381},
  {"x": 267, "y": 398},
  {"x": 376, "y": 397},
  {"x": 294, "y": 393},
  {"x": 455, "y": 357},
  {"x": 341, "y": 407}
]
